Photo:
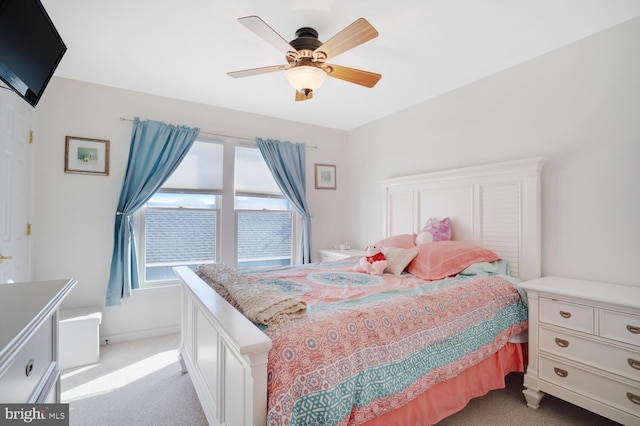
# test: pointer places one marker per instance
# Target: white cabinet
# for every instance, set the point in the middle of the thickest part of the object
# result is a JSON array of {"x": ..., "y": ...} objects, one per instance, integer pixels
[
  {"x": 328, "y": 255},
  {"x": 79, "y": 337},
  {"x": 29, "y": 371},
  {"x": 584, "y": 346}
]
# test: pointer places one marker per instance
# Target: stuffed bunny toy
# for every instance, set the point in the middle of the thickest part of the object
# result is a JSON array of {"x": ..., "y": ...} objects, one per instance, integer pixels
[{"x": 374, "y": 262}]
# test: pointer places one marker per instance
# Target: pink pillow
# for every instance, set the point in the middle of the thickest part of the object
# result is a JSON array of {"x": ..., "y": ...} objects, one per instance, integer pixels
[
  {"x": 405, "y": 241},
  {"x": 446, "y": 258}
]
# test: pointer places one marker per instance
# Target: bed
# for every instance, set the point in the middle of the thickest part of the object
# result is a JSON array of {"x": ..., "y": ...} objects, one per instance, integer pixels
[{"x": 422, "y": 363}]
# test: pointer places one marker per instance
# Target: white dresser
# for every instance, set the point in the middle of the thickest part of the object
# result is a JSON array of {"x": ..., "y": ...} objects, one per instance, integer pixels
[
  {"x": 328, "y": 255},
  {"x": 29, "y": 372},
  {"x": 584, "y": 346}
]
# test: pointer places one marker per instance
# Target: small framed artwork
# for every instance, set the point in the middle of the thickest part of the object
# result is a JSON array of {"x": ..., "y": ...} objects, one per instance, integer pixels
[
  {"x": 86, "y": 156},
  {"x": 325, "y": 176}
]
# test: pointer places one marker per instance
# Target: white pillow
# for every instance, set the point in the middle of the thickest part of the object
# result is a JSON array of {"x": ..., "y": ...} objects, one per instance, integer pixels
[{"x": 398, "y": 259}]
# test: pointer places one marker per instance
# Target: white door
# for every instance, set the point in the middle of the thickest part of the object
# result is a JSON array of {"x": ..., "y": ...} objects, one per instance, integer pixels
[{"x": 15, "y": 126}]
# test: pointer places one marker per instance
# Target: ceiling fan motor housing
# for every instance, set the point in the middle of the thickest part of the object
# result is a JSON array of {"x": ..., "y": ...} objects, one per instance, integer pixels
[{"x": 306, "y": 39}]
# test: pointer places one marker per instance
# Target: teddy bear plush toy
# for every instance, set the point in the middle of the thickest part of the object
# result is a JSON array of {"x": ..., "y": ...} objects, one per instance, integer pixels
[{"x": 374, "y": 262}]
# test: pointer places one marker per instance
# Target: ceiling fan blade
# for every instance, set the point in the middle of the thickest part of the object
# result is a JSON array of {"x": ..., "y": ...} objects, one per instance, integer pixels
[
  {"x": 360, "y": 31},
  {"x": 264, "y": 31},
  {"x": 257, "y": 71},
  {"x": 303, "y": 97},
  {"x": 352, "y": 75}
]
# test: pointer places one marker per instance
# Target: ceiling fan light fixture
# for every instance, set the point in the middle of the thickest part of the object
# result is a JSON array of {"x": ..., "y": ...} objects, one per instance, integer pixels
[
  {"x": 306, "y": 79},
  {"x": 306, "y": 68}
]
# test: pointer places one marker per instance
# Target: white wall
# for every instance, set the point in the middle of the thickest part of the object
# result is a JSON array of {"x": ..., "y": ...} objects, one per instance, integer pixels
[
  {"x": 73, "y": 215},
  {"x": 578, "y": 107}
]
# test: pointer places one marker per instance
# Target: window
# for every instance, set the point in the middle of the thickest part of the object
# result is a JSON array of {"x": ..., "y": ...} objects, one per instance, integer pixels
[
  {"x": 179, "y": 225},
  {"x": 263, "y": 215},
  {"x": 189, "y": 221},
  {"x": 180, "y": 229}
]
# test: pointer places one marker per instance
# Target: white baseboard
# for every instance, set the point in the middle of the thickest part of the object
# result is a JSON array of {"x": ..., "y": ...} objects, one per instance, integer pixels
[{"x": 137, "y": 335}]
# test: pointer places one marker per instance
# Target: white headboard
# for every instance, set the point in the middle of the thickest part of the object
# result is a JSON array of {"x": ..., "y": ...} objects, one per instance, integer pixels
[{"x": 496, "y": 206}]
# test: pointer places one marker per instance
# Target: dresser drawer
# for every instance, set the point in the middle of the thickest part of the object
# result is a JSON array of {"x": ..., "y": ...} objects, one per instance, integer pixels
[
  {"x": 570, "y": 315},
  {"x": 619, "y": 326},
  {"x": 616, "y": 394},
  {"x": 621, "y": 361},
  {"x": 36, "y": 356}
]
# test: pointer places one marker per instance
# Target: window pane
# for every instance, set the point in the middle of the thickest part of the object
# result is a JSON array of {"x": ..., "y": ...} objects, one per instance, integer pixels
[
  {"x": 201, "y": 168},
  {"x": 262, "y": 203},
  {"x": 264, "y": 238},
  {"x": 252, "y": 174},
  {"x": 182, "y": 200},
  {"x": 178, "y": 237}
]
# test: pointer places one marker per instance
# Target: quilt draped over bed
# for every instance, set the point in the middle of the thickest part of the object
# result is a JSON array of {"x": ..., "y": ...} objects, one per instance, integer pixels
[
  {"x": 259, "y": 303},
  {"x": 370, "y": 344}
]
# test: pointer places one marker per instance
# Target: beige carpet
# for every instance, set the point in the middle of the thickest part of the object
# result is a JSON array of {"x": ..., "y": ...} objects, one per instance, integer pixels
[
  {"x": 140, "y": 383},
  {"x": 135, "y": 383},
  {"x": 507, "y": 407}
]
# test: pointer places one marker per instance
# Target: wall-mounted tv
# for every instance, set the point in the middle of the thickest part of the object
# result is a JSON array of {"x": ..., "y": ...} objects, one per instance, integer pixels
[{"x": 30, "y": 48}]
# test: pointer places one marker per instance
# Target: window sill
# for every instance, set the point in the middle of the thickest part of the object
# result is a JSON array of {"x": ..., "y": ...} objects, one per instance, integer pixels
[{"x": 159, "y": 284}]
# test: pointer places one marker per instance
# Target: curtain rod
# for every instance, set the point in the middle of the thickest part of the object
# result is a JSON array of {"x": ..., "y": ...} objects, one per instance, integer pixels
[{"x": 224, "y": 136}]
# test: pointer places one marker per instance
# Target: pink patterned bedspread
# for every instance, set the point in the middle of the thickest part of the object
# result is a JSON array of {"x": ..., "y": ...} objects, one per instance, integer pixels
[{"x": 370, "y": 344}]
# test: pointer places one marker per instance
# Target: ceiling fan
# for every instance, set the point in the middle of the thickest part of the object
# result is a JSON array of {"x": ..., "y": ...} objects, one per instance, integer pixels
[{"x": 306, "y": 68}]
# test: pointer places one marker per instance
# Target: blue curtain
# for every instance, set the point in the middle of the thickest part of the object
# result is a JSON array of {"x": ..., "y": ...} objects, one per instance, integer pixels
[
  {"x": 156, "y": 151},
  {"x": 286, "y": 161}
]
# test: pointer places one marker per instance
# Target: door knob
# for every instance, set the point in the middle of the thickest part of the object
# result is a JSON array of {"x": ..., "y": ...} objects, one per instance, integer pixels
[{"x": 3, "y": 258}]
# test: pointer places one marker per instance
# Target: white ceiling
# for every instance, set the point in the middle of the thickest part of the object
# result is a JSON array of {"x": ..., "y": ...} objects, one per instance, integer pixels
[{"x": 184, "y": 48}]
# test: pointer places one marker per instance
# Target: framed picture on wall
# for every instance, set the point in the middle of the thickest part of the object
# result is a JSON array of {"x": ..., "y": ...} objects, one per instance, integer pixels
[
  {"x": 86, "y": 156},
  {"x": 325, "y": 176}
]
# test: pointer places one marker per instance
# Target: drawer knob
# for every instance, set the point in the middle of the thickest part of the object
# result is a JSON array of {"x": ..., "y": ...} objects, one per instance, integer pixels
[
  {"x": 562, "y": 373},
  {"x": 565, "y": 314},
  {"x": 634, "y": 363},
  {"x": 633, "y": 329},
  {"x": 562, "y": 343},
  {"x": 633, "y": 398},
  {"x": 29, "y": 368}
]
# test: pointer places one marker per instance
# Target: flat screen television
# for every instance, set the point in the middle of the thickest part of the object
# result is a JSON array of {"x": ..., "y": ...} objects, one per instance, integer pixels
[{"x": 30, "y": 48}]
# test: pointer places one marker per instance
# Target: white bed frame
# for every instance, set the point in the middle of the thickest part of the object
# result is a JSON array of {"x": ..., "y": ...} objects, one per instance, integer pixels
[{"x": 496, "y": 206}]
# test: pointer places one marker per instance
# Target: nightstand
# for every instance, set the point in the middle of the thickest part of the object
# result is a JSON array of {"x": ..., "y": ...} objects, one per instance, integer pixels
[
  {"x": 584, "y": 346},
  {"x": 328, "y": 255}
]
